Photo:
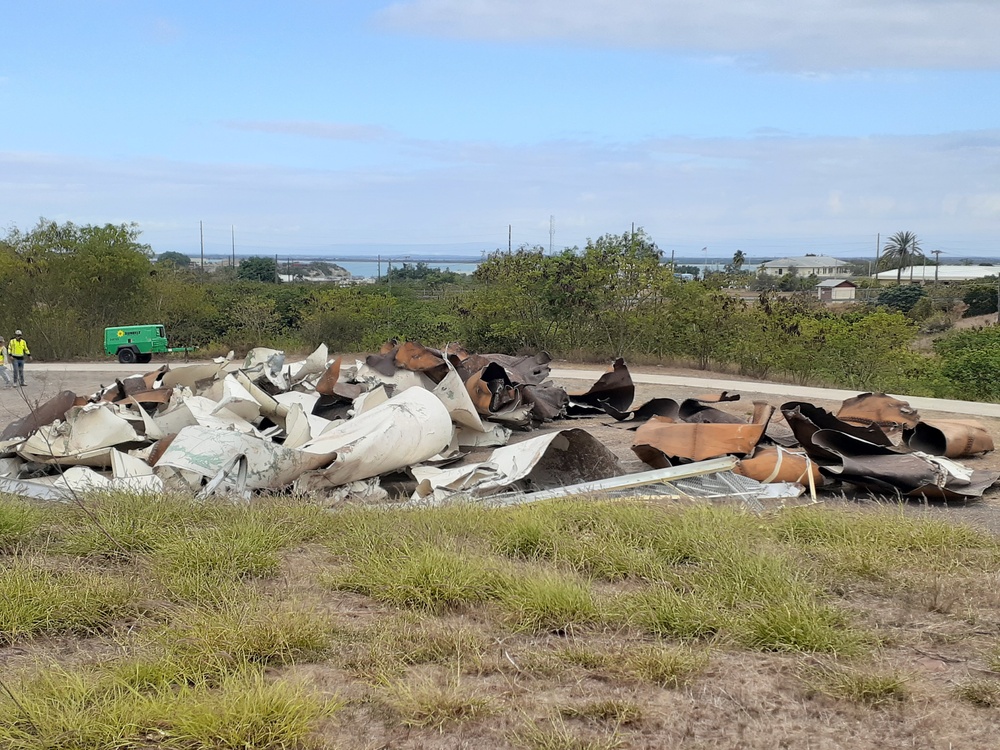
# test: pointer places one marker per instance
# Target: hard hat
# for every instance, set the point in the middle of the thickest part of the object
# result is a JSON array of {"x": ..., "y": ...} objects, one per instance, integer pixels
[{"x": 17, "y": 333}]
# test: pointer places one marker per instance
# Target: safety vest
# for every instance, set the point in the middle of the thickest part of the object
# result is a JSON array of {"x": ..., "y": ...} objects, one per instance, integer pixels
[
  {"x": 3, "y": 355},
  {"x": 17, "y": 347}
]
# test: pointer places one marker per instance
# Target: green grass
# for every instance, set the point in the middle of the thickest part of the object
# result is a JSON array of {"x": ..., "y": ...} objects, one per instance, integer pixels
[
  {"x": 548, "y": 602},
  {"x": 869, "y": 686},
  {"x": 422, "y": 576},
  {"x": 19, "y": 522},
  {"x": 982, "y": 693},
  {"x": 669, "y": 667},
  {"x": 93, "y": 709},
  {"x": 392, "y": 645},
  {"x": 36, "y": 601},
  {"x": 556, "y": 735},
  {"x": 431, "y": 704},
  {"x": 608, "y": 711}
]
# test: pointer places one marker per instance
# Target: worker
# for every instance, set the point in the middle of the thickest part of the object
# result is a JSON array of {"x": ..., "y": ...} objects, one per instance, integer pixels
[
  {"x": 3, "y": 364},
  {"x": 18, "y": 350}
]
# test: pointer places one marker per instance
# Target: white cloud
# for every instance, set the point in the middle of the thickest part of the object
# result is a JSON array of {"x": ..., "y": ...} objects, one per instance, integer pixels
[
  {"x": 797, "y": 35},
  {"x": 684, "y": 191}
]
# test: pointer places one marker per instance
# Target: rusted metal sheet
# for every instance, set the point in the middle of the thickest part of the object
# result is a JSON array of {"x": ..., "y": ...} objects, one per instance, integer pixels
[
  {"x": 776, "y": 464},
  {"x": 881, "y": 468},
  {"x": 613, "y": 389},
  {"x": 879, "y": 409},
  {"x": 53, "y": 409},
  {"x": 661, "y": 442},
  {"x": 952, "y": 438}
]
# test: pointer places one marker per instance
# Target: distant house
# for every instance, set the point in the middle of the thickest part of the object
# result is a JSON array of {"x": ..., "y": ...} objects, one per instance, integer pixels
[
  {"x": 836, "y": 290},
  {"x": 937, "y": 274},
  {"x": 822, "y": 265}
]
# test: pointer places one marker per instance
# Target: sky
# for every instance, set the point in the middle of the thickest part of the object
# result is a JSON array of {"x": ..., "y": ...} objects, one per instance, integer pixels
[{"x": 778, "y": 127}]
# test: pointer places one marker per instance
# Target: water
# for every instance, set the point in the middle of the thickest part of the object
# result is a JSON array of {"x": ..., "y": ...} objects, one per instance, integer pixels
[{"x": 367, "y": 269}]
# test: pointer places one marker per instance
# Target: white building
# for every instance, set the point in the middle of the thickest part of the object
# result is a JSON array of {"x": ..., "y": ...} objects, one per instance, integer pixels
[
  {"x": 836, "y": 290},
  {"x": 942, "y": 274},
  {"x": 822, "y": 265}
]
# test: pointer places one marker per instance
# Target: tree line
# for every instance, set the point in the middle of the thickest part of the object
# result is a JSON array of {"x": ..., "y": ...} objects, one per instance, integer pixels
[{"x": 63, "y": 284}]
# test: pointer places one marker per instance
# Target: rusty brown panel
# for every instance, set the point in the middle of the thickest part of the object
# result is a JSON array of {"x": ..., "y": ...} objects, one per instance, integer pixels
[
  {"x": 806, "y": 419},
  {"x": 696, "y": 442},
  {"x": 158, "y": 449},
  {"x": 480, "y": 393},
  {"x": 885, "y": 469},
  {"x": 952, "y": 438},
  {"x": 614, "y": 389},
  {"x": 417, "y": 357},
  {"x": 53, "y": 409},
  {"x": 889, "y": 413},
  {"x": 715, "y": 398},
  {"x": 150, "y": 378},
  {"x": 327, "y": 382},
  {"x": 548, "y": 401},
  {"x": 695, "y": 412},
  {"x": 770, "y": 464}
]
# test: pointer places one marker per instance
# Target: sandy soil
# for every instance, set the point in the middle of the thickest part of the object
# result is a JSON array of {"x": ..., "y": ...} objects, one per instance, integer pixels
[{"x": 45, "y": 381}]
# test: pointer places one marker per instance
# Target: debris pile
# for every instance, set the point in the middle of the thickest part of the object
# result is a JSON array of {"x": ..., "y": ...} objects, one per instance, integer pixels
[{"x": 411, "y": 415}]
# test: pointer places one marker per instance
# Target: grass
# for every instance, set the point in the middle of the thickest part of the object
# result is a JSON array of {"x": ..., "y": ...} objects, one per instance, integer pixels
[
  {"x": 38, "y": 601},
  {"x": 556, "y": 735},
  {"x": 669, "y": 667},
  {"x": 19, "y": 522},
  {"x": 65, "y": 709},
  {"x": 981, "y": 693},
  {"x": 869, "y": 686},
  {"x": 608, "y": 711},
  {"x": 219, "y": 625},
  {"x": 432, "y": 704}
]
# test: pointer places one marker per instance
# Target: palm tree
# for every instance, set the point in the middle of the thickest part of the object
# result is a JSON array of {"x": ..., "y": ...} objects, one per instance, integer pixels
[{"x": 899, "y": 248}]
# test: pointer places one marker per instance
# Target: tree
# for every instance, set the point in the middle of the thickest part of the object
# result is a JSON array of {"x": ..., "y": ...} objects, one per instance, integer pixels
[
  {"x": 901, "y": 298},
  {"x": 739, "y": 258},
  {"x": 174, "y": 258},
  {"x": 256, "y": 268},
  {"x": 899, "y": 248}
]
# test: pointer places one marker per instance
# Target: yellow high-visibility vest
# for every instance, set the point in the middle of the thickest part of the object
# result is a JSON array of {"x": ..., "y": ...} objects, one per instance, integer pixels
[{"x": 18, "y": 347}]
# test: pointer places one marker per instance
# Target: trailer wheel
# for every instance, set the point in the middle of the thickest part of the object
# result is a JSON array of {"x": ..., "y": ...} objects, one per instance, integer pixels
[
  {"x": 126, "y": 355},
  {"x": 144, "y": 358}
]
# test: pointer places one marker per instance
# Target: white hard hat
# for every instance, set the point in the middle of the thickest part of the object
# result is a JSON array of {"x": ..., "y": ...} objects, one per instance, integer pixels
[{"x": 17, "y": 333}]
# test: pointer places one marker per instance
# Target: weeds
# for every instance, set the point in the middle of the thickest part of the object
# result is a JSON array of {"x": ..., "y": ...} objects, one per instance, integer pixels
[
  {"x": 666, "y": 667},
  {"x": 36, "y": 601},
  {"x": 609, "y": 711},
  {"x": 66, "y": 709},
  {"x": 426, "y": 703},
  {"x": 19, "y": 522},
  {"x": 868, "y": 686},
  {"x": 555, "y": 735},
  {"x": 982, "y": 693}
]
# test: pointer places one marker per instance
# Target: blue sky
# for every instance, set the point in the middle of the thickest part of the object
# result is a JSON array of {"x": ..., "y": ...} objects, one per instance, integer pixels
[{"x": 777, "y": 126}]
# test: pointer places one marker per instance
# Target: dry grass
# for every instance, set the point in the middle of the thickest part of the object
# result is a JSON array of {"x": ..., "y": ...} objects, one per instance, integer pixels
[{"x": 181, "y": 624}]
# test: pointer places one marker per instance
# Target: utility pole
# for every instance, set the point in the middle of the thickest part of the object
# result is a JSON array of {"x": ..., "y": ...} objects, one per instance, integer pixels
[
  {"x": 937, "y": 263},
  {"x": 201, "y": 231},
  {"x": 552, "y": 230},
  {"x": 510, "y": 228},
  {"x": 277, "y": 276},
  {"x": 234, "y": 245},
  {"x": 378, "y": 268},
  {"x": 878, "y": 249}
]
